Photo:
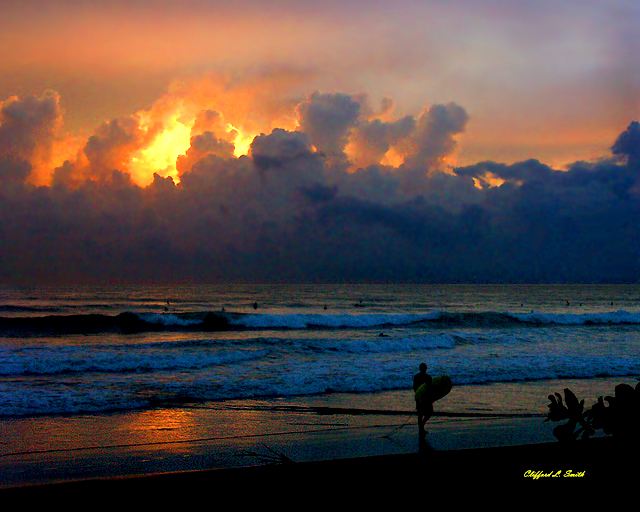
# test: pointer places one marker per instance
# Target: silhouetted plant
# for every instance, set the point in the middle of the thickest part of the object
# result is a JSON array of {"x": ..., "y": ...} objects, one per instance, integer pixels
[{"x": 620, "y": 417}]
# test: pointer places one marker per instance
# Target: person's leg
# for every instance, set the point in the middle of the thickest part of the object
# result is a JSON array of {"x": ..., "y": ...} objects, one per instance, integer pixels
[
  {"x": 427, "y": 414},
  {"x": 422, "y": 419}
]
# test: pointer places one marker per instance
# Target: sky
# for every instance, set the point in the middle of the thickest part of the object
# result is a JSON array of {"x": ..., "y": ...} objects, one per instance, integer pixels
[{"x": 340, "y": 141}]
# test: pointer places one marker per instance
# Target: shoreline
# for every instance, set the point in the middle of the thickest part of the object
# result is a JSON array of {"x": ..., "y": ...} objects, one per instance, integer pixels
[{"x": 477, "y": 432}]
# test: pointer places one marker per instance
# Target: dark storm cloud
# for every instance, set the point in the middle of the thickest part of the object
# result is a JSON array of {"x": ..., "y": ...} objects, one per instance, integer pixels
[
  {"x": 575, "y": 225},
  {"x": 373, "y": 139},
  {"x": 280, "y": 149},
  {"x": 628, "y": 144},
  {"x": 327, "y": 119},
  {"x": 13, "y": 171},
  {"x": 434, "y": 135},
  {"x": 287, "y": 212},
  {"x": 203, "y": 144},
  {"x": 26, "y": 124}
]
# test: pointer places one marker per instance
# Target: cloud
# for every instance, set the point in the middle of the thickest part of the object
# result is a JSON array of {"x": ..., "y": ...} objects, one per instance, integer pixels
[
  {"x": 279, "y": 149},
  {"x": 373, "y": 139},
  {"x": 573, "y": 225},
  {"x": 628, "y": 144},
  {"x": 13, "y": 172},
  {"x": 319, "y": 200},
  {"x": 328, "y": 119},
  {"x": 112, "y": 144},
  {"x": 434, "y": 137},
  {"x": 109, "y": 149},
  {"x": 29, "y": 131},
  {"x": 203, "y": 144}
]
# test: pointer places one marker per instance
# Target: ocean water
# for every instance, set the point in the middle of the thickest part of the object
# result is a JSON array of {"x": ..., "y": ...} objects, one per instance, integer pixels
[{"x": 74, "y": 350}]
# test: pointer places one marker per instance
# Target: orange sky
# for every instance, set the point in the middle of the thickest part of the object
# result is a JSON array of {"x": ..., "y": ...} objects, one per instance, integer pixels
[{"x": 537, "y": 80}]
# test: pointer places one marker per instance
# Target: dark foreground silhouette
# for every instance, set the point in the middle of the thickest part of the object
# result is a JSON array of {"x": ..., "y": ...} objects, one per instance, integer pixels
[{"x": 619, "y": 417}]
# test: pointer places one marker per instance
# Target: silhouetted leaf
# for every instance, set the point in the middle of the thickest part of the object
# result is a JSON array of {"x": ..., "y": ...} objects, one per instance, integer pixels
[{"x": 572, "y": 401}]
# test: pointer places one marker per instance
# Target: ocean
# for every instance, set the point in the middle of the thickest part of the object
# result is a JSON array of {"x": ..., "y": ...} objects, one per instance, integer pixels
[{"x": 78, "y": 350}]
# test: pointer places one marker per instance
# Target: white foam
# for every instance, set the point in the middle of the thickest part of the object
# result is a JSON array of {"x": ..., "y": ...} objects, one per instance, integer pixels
[{"x": 305, "y": 321}]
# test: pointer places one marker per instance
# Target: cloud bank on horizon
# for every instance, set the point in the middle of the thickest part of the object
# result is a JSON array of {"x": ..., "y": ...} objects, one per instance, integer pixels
[{"x": 225, "y": 182}]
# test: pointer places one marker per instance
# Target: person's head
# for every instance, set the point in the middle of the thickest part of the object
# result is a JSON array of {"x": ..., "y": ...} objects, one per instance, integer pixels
[{"x": 423, "y": 367}]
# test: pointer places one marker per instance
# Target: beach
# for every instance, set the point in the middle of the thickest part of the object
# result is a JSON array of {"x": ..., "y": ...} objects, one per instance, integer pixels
[{"x": 331, "y": 434}]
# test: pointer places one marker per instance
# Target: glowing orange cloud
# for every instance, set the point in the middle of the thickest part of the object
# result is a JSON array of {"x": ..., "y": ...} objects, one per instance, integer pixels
[
  {"x": 222, "y": 116},
  {"x": 235, "y": 113}
]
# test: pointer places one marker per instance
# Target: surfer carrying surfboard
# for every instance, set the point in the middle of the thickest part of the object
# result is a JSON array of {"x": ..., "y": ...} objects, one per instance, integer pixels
[
  {"x": 424, "y": 407},
  {"x": 428, "y": 391}
]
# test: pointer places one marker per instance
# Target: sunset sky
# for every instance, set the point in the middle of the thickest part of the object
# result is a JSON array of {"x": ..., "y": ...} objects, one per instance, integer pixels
[{"x": 337, "y": 140}]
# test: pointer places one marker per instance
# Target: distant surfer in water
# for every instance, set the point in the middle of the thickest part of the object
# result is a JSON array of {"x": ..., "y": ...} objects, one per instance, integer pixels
[{"x": 425, "y": 410}]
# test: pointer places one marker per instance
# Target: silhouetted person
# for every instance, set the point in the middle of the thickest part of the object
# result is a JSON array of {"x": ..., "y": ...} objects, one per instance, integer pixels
[
  {"x": 255, "y": 305},
  {"x": 425, "y": 409}
]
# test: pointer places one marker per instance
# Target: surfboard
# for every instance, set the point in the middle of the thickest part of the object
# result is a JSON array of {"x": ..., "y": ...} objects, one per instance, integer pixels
[{"x": 440, "y": 387}]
